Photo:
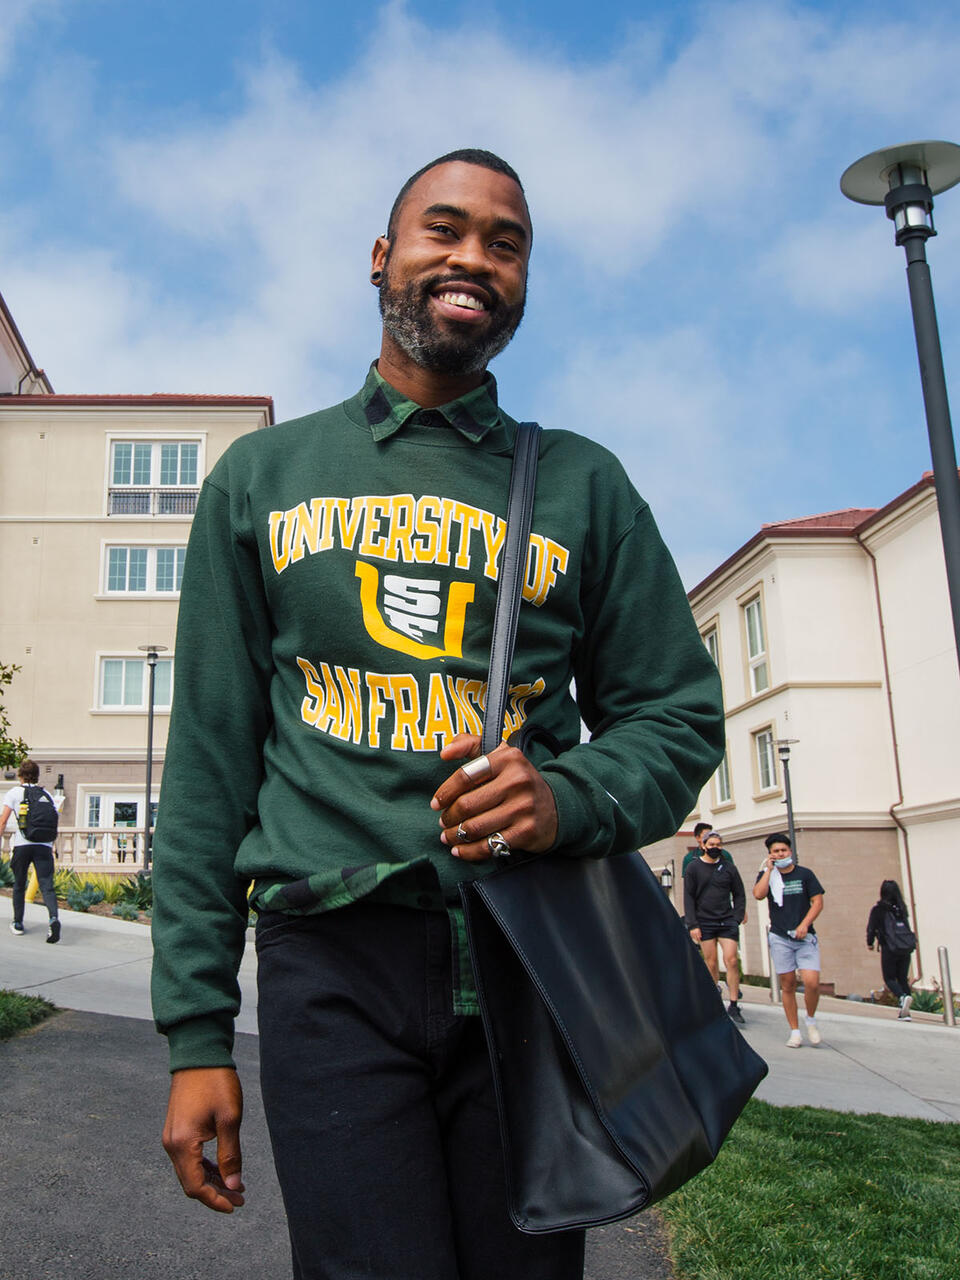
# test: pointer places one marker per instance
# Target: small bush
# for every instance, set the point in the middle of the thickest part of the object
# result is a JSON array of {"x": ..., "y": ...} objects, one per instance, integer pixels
[
  {"x": 112, "y": 886},
  {"x": 64, "y": 880},
  {"x": 126, "y": 911},
  {"x": 18, "y": 1012},
  {"x": 6, "y": 874},
  {"x": 84, "y": 898},
  {"x": 138, "y": 890}
]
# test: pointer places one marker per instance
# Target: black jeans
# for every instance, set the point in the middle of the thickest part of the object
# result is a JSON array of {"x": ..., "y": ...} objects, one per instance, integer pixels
[
  {"x": 41, "y": 855},
  {"x": 895, "y": 967},
  {"x": 380, "y": 1106}
]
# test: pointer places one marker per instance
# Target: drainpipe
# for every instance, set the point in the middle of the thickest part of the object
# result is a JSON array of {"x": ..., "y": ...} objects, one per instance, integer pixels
[{"x": 896, "y": 751}]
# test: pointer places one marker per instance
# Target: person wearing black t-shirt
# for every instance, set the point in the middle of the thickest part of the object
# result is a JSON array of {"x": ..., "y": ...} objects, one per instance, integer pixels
[
  {"x": 714, "y": 901},
  {"x": 795, "y": 898}
]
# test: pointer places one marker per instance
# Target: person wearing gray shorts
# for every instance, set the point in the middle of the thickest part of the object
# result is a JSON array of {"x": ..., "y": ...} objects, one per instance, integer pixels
[{"x": 795, "y": 898}]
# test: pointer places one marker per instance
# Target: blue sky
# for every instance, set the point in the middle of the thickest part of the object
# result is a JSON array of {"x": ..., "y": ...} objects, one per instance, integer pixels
[{"x": 189, "y": 194}]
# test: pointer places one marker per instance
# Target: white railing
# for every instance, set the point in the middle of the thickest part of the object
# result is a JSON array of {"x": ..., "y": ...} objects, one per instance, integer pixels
[
  {"x": 115, "y": 850},
  {"x": 128, "y": 501}
]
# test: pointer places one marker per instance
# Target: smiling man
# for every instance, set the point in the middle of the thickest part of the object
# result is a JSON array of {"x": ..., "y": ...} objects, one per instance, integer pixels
[{"x": 333, "y": 641}]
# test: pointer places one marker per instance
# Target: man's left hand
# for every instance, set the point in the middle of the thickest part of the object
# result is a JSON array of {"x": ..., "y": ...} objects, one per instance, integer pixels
[
  {"x": 801, "y": 932},
  {"x": 512, "y": 800}
]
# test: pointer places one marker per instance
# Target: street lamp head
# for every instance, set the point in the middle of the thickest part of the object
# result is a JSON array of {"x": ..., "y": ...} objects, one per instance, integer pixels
[
  {"x": 904, "y": 178},
  {"x": 151, "y": 650}
]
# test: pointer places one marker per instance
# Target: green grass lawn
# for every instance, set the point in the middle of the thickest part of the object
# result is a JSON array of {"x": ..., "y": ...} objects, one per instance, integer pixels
[
  {"x": 798, "y": 1193},
  {"x": 18, "y": 1012}
]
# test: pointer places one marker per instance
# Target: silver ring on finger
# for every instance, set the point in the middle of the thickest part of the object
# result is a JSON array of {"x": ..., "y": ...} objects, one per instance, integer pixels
[
  {"x": 498, "y": 847},
  {"x": 461, "y": 832},
  {"x": 477, "y": 769}
]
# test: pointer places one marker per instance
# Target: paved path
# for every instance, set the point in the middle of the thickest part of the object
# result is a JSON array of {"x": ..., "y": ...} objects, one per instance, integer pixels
[{"x": 96, "y": 1198}]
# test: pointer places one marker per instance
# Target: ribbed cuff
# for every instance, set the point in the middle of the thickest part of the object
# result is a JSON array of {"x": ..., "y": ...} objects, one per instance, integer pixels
[
  {"x": 202, "y": 1042},
  {"x": 574, "y": 827}
]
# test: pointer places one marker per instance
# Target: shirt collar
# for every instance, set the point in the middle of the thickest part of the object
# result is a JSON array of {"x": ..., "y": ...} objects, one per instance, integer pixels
[{"x": 386, "y": 410}]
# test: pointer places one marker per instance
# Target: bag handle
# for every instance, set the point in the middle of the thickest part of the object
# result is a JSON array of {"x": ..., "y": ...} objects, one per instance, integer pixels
[{"x": 513, "y": 564}]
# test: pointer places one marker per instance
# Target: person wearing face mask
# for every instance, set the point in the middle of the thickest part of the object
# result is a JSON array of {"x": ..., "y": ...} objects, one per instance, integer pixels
[
  {"x": 714, "y": 901},
  {"x": 795, "y": 898}
]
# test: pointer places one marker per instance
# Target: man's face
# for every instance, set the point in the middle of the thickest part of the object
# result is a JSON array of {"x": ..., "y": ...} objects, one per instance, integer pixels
[
  {"x": 454, "y": 274},
  {"x": 713, "y": 846},
  {"x": 779, "y": 850}
]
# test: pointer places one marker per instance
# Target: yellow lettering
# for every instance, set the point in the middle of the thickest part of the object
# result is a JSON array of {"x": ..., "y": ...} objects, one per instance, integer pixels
[
  {"x": 351, "y": 723},
  {"x": 428, "y": 529},
  {"x": 377, "y": 686},
  {"x": 306, "y": 529},
  {"x": 405, "y": 693},
  {"x": 316, "y": 694},
  {"x": 437, "y": 723},
  {"x": 469, "y": 519},
  {"x": 350, "y": 514},
  {"x": 280, "y": 554},
  {"x": 399, "y": 541},
  {"x": 370, "y": 543},
  {"x": 494, "y": 532}
]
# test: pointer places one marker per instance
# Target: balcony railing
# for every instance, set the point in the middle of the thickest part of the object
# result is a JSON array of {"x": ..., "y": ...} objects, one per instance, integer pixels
[
  {"x": 127, "y": 501},
  {"x": 117, "y": 850}
]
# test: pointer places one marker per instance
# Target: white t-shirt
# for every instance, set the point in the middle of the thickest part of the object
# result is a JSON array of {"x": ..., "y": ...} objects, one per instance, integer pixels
[{"x": 14, "y": 798}]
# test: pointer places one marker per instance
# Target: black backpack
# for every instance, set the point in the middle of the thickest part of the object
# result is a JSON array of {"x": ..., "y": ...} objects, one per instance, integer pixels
[
  {"x": 38, "y": 818},
  {"x": 896, "y": 935}
]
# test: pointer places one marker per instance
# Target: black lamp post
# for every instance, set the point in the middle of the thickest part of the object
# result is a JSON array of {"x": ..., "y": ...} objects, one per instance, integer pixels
[
  {"x": 905, "y": 179},
  {"x": 666, "y": 877},
  {"x": 151, "y": 650},
  {"x": 783, "y": 749}
]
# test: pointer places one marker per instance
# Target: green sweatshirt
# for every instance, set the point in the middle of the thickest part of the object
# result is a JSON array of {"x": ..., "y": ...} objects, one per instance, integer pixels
[{"x": 334, "y": 632}]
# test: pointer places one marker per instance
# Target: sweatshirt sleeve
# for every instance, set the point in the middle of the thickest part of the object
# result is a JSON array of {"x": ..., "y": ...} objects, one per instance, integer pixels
[
  {"x": 690, "y": 896},
  {"x": 739, "y": 895},
  {"x": 212, "y": 774},
  {"x": 650, "y": 695},
  {"x": 873, "y": 924}
]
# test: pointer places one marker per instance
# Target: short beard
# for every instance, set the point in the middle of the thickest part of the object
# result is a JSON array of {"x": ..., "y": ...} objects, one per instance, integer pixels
[{"x": 406, "y": 317}]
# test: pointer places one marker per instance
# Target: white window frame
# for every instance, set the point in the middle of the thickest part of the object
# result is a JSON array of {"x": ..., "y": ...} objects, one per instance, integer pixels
[
  {"x": 761, "y": 755},
  {"x": 757, "y": 658},
  {"x": 151, "y": 590},
  {"x": 122, "y": 708},
  {"x": 722, "y": 784},
  {"x": 156, "y": 496}
]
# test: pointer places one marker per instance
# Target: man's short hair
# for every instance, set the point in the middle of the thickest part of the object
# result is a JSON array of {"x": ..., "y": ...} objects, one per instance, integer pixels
[
  {"x": 711, "y": 834},
  {"x": 778, "y": 837},
  {"x": 466, "y": 155},
  {"x": 29, "y": 772},
  {"x": 701, "y": 826}
]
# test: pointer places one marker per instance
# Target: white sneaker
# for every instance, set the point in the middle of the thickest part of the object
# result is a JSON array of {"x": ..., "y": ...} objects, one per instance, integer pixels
[
  {"x": 795, "y": 1041},
  {"x": 905, "y": 1003},
  {"x": 813, "y": 1033}
]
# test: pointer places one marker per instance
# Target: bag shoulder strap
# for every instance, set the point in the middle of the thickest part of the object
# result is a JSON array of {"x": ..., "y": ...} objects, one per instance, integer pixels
[{"x": 513, "y": 563}]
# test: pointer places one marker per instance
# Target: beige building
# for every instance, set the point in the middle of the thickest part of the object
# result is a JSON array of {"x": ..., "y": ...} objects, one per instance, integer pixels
[
  {"x": 833, "y": 634},
  {"x": 98, "y": 493}
]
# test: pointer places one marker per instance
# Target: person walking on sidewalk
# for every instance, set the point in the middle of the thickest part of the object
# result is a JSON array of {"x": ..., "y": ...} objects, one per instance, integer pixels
[
  {"x": 713, "y": 901},
  {"x": 889, "y": 927},
  {"x": 795, "y": 898},
  {"x": 333, "y": 639},
  {"x": 25, "y": 852}
]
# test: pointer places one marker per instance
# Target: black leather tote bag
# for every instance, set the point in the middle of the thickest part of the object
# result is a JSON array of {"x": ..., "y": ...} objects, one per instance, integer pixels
[{"x": 617, "y": 1071}]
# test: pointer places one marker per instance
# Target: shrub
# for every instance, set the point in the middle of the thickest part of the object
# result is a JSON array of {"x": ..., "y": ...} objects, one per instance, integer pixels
[
  {"x": 64, "y": 880},
  {"x": 112, "y": 886},
  {"x": 18, "y": 1012},
  {"x": 126, "y": 911},
  {"x": 138, "y": 890},
  {"x": 84, "y": 898},
  {"x": 6, "y": 874}
]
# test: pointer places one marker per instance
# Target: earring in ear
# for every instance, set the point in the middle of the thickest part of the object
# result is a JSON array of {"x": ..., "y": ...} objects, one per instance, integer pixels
[{"x": 375, "y": 277}]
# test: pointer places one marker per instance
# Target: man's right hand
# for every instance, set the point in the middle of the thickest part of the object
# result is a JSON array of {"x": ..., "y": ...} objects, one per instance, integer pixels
[
  {"x": 695, "y": 935},
  {"x": 206, "y": 1103}
]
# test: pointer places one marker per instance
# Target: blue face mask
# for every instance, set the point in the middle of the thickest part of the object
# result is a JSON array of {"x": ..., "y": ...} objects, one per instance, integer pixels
[{"x": 782, "y": 863}]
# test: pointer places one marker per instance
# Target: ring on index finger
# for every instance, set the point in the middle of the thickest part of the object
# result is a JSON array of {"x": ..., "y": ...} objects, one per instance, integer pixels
[{"x": 477, "y": 769}]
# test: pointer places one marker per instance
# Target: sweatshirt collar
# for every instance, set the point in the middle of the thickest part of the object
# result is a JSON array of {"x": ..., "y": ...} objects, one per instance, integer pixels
[{"x": 385, "y": 410}]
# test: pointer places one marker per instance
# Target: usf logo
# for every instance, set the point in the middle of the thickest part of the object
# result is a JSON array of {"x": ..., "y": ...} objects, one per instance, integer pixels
[{"x": 413, "y": 618}]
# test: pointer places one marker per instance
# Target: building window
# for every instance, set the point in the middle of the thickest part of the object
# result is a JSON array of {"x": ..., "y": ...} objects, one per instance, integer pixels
[
  {"x": 124, "y": 684},
  {"x": 129, "y": 570},
  {"x": 712, "y": 640},
  {"x": 154, "y": 477},
  {"x": 766, "y": 760},
  {"x": 721, "y": 782},
  {"x": 756, "y": 645}
]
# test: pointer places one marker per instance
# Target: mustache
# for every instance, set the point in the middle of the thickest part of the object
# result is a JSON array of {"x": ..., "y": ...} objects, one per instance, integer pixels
[{"x": 463, "y": 277}]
